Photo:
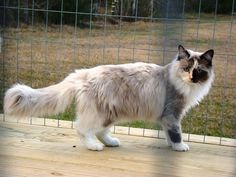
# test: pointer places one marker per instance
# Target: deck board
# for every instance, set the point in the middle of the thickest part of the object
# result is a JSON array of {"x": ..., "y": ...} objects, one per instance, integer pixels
[{"x": 33, "y": 151}]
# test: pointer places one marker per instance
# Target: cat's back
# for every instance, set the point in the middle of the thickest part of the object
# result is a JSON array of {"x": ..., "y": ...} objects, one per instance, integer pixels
[
  {"x": 137, "y": 70},
  {"x": 131, "y": 73}
]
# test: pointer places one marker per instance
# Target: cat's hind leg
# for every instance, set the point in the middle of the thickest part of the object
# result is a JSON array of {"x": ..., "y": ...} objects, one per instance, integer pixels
[
  {"x": 90, "y": 127},
  {"x": 107, "y": 139},
  {"x": 87, "y": 126}
]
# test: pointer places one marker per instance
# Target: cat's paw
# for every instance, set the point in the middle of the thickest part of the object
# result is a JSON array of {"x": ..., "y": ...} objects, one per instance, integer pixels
[
  {"x": 180, "y": 147},
  {"x": 109, "y": 141},
  {"x": 114, "y": 142},
  {"x": 95, "y": 146}
]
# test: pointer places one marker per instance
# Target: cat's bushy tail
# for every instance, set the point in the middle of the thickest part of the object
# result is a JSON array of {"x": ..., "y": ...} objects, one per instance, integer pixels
[{"x": 22, "y": 100}]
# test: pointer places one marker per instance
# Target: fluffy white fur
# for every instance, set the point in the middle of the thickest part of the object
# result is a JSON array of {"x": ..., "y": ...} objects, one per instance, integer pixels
[{"x": 109, "y": 93}]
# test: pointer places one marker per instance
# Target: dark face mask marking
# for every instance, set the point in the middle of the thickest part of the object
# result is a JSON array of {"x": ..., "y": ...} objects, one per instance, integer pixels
[{"x": 199, "y": 75}]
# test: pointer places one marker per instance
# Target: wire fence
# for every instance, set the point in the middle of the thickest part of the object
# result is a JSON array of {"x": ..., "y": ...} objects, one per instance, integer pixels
[{"x": 42, "y": 41}]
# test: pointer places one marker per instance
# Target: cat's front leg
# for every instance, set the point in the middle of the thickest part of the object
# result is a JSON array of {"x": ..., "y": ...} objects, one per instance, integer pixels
[
  {"x": 173, "y": 132},
  {"x": 175, "y": 136}
]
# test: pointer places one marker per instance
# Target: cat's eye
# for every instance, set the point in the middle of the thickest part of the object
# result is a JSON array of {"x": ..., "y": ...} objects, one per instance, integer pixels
[
  {"x": 186, "y": 69},
  {"x": 199, "y": 70}
]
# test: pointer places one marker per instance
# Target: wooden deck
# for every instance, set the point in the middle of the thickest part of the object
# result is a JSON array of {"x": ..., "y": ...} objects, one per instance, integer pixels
[{"x": 41, "y": 151}]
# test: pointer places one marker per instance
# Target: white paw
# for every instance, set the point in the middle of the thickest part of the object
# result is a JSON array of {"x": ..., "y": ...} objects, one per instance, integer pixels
[
  {"x": 180, "y": 147},
  {"x": 109, "y": 141},
  {"x": 95, "y": 146},
  {"x": 114, "y": 142}
]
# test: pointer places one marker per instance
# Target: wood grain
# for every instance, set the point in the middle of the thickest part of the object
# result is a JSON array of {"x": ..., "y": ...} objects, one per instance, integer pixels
[{"x": 33, "y": 150}]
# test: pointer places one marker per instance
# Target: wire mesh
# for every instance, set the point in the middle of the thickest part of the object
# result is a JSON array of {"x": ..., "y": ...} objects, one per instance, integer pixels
[{"x": 43, "y": 41}]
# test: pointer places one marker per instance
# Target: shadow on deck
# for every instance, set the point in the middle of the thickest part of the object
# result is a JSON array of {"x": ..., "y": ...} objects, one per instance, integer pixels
[{"x": 33, "y": 150}]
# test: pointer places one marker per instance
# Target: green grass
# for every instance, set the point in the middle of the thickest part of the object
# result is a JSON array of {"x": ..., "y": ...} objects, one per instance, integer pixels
[
  {"x": 141, "y": 124},
  {"x": 69, "y": 114},
  {"x": 214, "y": 116}
]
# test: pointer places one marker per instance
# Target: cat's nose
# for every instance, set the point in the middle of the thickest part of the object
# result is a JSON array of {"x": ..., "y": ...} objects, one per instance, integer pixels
[{"x": 194, "y": 81}]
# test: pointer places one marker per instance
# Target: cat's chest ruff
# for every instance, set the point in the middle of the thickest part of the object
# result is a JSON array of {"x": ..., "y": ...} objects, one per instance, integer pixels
[{"x": 194, "y": 95}]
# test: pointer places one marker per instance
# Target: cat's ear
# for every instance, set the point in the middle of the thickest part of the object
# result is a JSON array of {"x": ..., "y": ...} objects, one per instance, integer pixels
[
  {"x": 183, "y": 53},
  {"x": 208, "y": 56}
]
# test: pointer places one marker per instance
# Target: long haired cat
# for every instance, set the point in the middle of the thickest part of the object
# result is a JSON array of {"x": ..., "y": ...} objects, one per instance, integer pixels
[{"x": 108, "y": 93}]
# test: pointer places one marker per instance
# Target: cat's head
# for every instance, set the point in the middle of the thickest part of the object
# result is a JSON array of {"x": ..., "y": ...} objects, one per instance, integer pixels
[{"x": 194, "y": 67}]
